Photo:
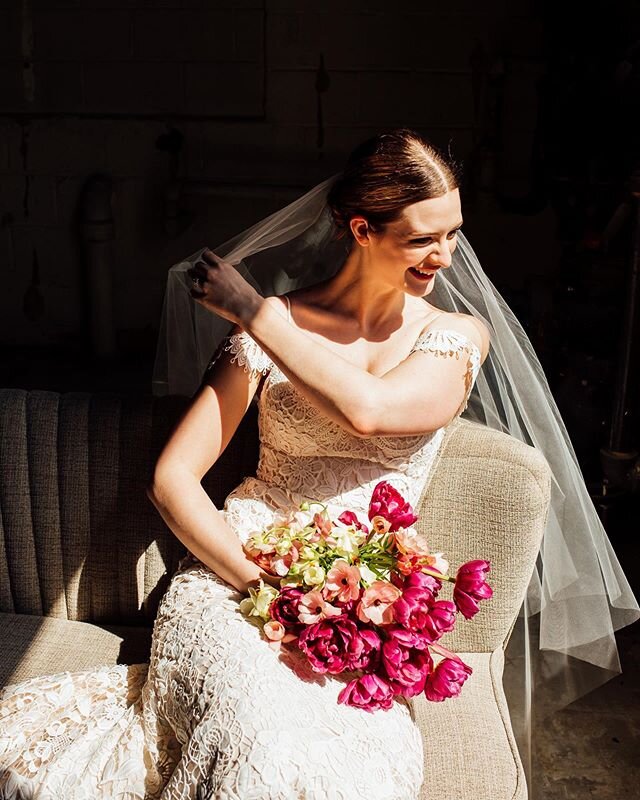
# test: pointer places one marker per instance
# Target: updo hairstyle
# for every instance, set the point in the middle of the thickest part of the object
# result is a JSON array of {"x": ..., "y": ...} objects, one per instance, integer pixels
[{"x": 387, "y": 173}]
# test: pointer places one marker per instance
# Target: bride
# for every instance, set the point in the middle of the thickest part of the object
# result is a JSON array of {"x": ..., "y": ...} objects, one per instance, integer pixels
[{"x": 356, "y": 378}]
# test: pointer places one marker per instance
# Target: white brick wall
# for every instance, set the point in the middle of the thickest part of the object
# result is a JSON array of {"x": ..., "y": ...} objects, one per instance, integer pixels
[{"x": 237, "y": 78}]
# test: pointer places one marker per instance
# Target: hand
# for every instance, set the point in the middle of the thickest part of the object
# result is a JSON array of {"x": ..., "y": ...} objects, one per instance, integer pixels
[{"x": 219, "y": 287}]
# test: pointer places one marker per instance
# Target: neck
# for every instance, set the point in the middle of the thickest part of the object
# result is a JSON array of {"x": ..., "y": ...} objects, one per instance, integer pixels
[{"x": 358, "y": 291}]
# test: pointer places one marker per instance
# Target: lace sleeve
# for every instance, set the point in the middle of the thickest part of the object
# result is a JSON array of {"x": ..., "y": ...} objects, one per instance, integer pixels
[
  {"x": 244, "y": 352},
  {"x": 452, "y": 343}
]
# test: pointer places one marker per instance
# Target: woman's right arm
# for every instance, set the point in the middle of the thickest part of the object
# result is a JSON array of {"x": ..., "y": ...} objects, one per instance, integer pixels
[{"x": 195, "y": 444}]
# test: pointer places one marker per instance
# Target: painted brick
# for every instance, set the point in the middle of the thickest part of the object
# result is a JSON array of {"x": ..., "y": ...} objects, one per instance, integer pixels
[
  {"x": 12, "y": 197},
  {"x": 11, "y": 86},
  {"x": 5, "y": 132},
  {"x": 339, "y": 7},
  {"x": 224, "y": 90},
  {"x": 10, "y": 32},
  {"x": 292, "y": 98},
  {"x": 66, "y": 147},
  {"x": 58, "y": 86},
  {"x": 133, "y": 87},
  {"x": 67, "y": 194},
  {"x": 131, "y": 147},
  {"x": 392, "y": 41},
  {"x": 36, "y": 192},
  {"x": 11, "y": 136},
  {"x": 55, "y": 4},
  {"x": 184, "y": 35},
  {"x": 87, "y": 35},
  {"x": 416, "y": 98},
  {"x": 193, "y": 35}
]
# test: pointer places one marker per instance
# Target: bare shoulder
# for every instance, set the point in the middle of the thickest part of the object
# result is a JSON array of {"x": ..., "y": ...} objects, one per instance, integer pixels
[{"x": 466, "y": 324}]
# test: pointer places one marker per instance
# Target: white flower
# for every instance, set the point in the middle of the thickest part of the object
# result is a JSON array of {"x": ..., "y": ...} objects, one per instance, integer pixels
[
  {"x": 314, "y": 575},
  {"x": 258, "y": 602},
  {"x": 367, "y": 575},
  {"x": 346, "y": 542}
]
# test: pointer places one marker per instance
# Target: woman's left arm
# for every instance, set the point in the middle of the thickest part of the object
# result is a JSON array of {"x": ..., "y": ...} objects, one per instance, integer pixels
[{"x": 421, "y": 394}]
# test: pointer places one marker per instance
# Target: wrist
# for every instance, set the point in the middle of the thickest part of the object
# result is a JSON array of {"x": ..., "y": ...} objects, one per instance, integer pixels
[{"x": 249, "y": 310}]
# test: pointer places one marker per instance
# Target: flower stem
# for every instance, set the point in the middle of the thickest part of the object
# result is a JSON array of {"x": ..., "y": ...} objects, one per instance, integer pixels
[{"x": 438, "y": 575}]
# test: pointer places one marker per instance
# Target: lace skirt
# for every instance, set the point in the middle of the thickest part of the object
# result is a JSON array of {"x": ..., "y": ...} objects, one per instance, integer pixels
[{"x": 216, "y": 714}]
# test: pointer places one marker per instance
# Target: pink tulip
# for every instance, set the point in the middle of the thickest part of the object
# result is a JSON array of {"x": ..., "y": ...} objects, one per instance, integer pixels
[
  {"x": 446, "y": 679},
  {"x": 369, "y": 692},
  {"x": 336, "y": 644},
  {"x": 440, "y": 619},
  {"x": 420, "y": 580},
  {"x": 369, "y": 651},
  {"x": 387, "y": 502},
  {"x": 376, "y": 603},
  {"x": 285, "y": 607},
  {"x": 471, "y": 586},
  {"x": 350, "y": 518},
  {"x": 406, "y": 667}
]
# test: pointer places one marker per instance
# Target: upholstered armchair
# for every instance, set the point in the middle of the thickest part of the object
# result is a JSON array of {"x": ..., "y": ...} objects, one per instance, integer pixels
[{"x": 85, "y": 558}]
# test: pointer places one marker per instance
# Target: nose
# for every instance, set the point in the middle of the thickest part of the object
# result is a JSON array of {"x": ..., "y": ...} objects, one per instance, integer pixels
[{"x": 441, "y": 257}]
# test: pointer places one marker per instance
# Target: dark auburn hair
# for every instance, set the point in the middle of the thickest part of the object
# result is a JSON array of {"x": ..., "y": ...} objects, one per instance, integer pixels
[{"x": 387, "y": 173}]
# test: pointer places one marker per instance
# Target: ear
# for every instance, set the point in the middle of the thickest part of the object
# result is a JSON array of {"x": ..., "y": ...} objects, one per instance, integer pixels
[{"x": 360, "y": 230}]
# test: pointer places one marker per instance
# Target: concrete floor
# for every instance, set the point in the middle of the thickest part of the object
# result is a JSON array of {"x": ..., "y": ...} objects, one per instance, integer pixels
[{"x": 591, "y": 749}]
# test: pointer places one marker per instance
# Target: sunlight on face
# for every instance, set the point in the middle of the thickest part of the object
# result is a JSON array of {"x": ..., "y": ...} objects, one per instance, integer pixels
[{"x": 420, "y": 242}]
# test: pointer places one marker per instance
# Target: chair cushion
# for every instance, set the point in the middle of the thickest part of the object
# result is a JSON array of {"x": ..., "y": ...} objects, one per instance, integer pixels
[
  {"x": 471, "y": 737},
  {"x": 32, "y": 645}
]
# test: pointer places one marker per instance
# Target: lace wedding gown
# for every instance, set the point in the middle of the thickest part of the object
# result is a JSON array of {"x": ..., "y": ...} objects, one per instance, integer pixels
[{"x": 217, "y": 713}]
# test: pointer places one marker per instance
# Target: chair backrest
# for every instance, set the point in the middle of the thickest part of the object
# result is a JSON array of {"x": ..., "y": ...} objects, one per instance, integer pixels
[
  {"x": 488, "y": 497},
  {"x": 79, "y": 539}
]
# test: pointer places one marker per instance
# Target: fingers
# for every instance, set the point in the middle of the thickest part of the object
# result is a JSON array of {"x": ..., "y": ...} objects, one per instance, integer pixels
[{"x": 209, "y": 257}]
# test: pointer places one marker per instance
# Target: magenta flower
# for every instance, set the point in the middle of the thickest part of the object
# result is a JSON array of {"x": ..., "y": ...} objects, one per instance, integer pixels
[
  {"x": 349, "y": 518},
  {"x": 412, "y": 610},
  {"x": 406, "y": 667},
  {"x": 336, "y": 644},
  {"x": 370, "y": 692},
  {"x": 370, "y": 650},
  {"x": 420, "y": 580},
  {"x": 471, "y": 586},
  {"x": 285, "y": 608},
  {"x": 387, "y": 502},
  {"x": 446, "y": 680},
  {"x": 440, "y": 619}
]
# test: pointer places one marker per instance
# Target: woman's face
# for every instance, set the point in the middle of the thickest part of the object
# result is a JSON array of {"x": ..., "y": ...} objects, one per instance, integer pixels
[{"x": 411, "y": 250}]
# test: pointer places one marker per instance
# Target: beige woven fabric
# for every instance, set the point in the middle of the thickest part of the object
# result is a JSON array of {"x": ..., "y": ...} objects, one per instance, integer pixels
[
  {"x": 32, "y": 646},
  {"x": 488, "y": 497},
  {"x": 470, "y": 750},
  {"x": 79, "y": 538}
]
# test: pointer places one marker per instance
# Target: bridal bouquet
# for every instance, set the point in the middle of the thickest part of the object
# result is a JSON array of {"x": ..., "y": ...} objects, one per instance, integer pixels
[{"x": 358, "y": 597}]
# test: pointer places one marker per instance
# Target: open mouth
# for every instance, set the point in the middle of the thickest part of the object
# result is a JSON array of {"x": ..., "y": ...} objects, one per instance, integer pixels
[{"x": 422, "y": 276}]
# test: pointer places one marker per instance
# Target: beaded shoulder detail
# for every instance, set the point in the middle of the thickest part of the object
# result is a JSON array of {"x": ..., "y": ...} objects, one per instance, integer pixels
[
  {"x": 244, "y": 352},
  {"x": 451, "y": 343}
]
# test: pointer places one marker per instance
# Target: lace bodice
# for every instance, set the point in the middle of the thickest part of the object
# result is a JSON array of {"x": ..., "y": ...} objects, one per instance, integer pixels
[{"x": 304, "y": 454}]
